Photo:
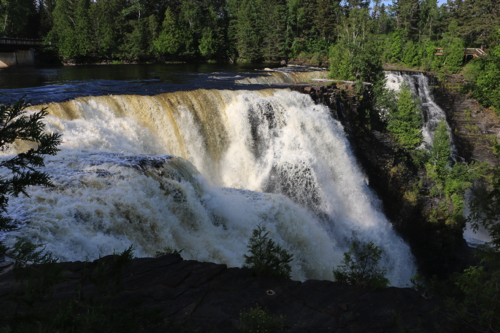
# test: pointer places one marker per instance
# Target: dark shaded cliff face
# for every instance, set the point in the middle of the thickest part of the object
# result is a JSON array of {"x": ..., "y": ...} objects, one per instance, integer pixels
[
  {"x": 168, "y": 294},
  {"x": 439, "y": 249},
  {"x": 476, "y": 129}
]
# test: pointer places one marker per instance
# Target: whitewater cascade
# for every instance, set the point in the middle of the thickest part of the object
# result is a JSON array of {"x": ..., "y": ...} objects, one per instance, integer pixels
[
  {"x": 199, "y": 171},
  {"x": 432, "y": 114}
]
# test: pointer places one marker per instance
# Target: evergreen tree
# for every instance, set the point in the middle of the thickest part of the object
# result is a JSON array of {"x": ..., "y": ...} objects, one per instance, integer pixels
[
  {"x": 45, "y": 9},
  {"x": 407, "y": 13},
  {"x": 168, "y": 42},
  {"x": 405, "y": 121},
  {"x": 63, "y": 33},
  {"x": 248, "y": 31},
  {"x": 478, "y": 19},
  {"x": 83, "y": 27},
  {"x": 109, "y": 26},
  {"x": 440, "y": 152},
  {"x": 16, "y": 125}
]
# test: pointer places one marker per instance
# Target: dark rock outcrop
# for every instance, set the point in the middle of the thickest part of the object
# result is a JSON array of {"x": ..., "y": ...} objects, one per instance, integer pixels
[
  {"x": 476, "y": 129},
  {"x": 208, "y": 297}
]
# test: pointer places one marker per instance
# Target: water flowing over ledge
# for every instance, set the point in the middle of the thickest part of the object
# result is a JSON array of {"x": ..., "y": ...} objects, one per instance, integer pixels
[
  {"x": 269, "y": 157},
  {"x": 420, "y": 87}
]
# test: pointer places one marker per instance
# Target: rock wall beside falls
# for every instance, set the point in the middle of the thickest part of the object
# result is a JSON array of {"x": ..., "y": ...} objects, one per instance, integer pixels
[{"x": 475, "y": 128}]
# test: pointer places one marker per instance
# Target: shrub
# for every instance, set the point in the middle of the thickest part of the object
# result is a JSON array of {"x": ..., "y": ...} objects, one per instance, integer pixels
[
  {"x": 259, "y": 320},
  {"x": 266, "y": 257},
  {"x": 167, "y": 250},
  {"x": 360, "y": 267}
]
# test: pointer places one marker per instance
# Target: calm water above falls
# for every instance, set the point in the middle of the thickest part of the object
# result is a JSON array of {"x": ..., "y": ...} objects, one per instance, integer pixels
[
  {"x": 44, "y": 85},
  {"x": 198, "y": 170}
]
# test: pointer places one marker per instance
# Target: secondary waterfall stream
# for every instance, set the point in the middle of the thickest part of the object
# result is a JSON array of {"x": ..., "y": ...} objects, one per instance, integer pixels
[
  {"x": 198, "y": 171},
  {"x": 432, "y": 114}
]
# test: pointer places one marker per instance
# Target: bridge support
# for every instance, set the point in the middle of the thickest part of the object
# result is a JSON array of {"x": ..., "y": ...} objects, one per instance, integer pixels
[{"x": 17, "y": 58}]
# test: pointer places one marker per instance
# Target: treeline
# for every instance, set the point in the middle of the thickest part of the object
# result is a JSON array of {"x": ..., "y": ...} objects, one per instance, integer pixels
[
  {"x": 405, "y": 32},
  {"x": 223, "y": 30}
]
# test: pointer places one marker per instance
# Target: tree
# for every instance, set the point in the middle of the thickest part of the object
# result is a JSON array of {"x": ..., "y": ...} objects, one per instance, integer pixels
[
  {"x": 407, "y": 13},
  {"x": 485, "y": 209},
  {"x": 16, "y": 124},
  {"x": 168, "y": 42},
  {"x": 18, "y": 18},
  {"x": 266, "y": 257},
  {"x": 248, "y": 31},
  {"x": 63, "y": 32},
  {"x": 83, "y": 27},
  {"x": 109, "y": 25},
  {"x": 360, "y": 267},
  {"x": 440, "y": 152},
  {"x": 405, "y": 121},
  {"x": 357, "y": 55}
]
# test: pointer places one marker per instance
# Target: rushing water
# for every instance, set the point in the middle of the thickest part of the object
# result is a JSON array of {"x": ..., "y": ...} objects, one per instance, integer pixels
[{"x": 198, "y": 170}]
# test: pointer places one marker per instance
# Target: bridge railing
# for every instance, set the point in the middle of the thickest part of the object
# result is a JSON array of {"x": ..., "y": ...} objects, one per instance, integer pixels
[{"x": 20, "y": 41}]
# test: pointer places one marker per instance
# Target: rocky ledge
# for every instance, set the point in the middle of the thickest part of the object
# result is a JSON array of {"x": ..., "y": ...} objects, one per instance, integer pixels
[{"x": 207, "y": 297}]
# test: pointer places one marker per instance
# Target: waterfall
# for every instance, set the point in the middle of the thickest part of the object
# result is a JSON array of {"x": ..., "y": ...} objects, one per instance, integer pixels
[
  {"x": 198, "y": 171},
  {"x": 432, "y": 114}
]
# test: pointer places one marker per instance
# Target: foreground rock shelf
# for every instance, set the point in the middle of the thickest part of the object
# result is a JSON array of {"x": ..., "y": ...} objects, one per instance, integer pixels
[{"x": 208, "y": 297}]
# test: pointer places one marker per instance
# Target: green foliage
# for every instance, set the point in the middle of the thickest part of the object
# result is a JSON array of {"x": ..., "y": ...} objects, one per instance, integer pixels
[
  {"x": 107, "y": 273},
  {"x": 257, "y": 320},
  {"x": 452, "y": 182},
  {"x": 454, "y": 56},
  {"x": 360, "y": 267},
  {"x": 357, "y": 54},
  {"x": 266, "y": 258},
  {"x": 405, "y": 121},
  {"x": 485, "y": 74},
  {"x": 15, "y": 124},
  {"x": 168, "y": 42},
  {"x": 485, "y": 209},
  {"x": 440, "y": 152},
  {"x": 167, "y": 250},
  {"x": 479, "y": 308}
]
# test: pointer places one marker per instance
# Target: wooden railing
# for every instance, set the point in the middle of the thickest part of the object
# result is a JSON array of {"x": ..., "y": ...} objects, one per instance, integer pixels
[
  {"x": 467, "y": 51},
  {"x": 20, "y": 41}
]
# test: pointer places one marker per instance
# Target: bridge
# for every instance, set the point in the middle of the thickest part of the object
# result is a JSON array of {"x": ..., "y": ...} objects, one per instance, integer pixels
[{"x": 18, "y": 51}]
